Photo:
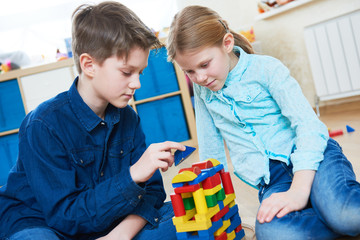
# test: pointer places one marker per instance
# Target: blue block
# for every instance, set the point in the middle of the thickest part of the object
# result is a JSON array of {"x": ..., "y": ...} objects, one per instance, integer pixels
[
  {"x": 235, "y": 222},
  {"x": 240, "y": 235},
  {"x": 232, "y": 211},
  {"x": 176, "y": 185},
  {"x": 210, "y": 232},
  {"x": 349, "y": 129},
  {"x": 221, "y": 204}
]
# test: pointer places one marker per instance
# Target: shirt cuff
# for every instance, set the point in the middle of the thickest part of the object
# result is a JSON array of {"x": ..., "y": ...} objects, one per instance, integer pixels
[
  {"x": 131, "y": 191},
  {"x": 147, "y": 210}
]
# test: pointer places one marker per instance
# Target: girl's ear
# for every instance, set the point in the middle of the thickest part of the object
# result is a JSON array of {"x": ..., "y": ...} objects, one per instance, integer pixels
[
  {"x": 228, "y": 42},
  {"x": 87, "y": 64}
]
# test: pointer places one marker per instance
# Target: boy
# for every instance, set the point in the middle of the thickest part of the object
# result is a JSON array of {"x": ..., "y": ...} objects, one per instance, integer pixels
[{"x": 83, "y": 171}]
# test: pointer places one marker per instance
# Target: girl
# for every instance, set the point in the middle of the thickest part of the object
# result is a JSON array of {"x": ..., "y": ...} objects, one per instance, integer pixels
[{"x": 307, "y": 187}]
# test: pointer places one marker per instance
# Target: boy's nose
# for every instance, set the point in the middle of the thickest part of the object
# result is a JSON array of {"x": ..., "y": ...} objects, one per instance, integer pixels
[{"x": 135, "y": 83}]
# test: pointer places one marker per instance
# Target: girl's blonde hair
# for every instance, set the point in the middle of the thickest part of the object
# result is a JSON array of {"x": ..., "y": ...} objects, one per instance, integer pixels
[{"x": 196, "y": 27}]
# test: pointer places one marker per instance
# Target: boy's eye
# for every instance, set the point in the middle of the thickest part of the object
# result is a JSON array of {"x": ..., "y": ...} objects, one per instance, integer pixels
[{"x": 126, "y": 73}]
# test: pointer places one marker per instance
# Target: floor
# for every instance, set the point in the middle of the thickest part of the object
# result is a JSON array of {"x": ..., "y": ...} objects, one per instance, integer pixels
[{"x": 246, "y": 196}]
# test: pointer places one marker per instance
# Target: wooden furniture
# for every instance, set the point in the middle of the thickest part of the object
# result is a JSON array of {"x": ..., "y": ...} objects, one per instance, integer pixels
[{"x": 163, "y": 103}]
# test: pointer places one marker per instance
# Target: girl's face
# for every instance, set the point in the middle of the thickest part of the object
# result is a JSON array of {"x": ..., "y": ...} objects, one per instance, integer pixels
[{"x": 209, "y": 66}]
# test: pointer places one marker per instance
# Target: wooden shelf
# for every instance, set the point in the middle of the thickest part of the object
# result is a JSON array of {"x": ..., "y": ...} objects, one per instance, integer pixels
[{"x": 281, "y": 9}]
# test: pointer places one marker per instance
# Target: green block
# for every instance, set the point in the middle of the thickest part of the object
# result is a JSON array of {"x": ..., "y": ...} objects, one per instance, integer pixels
[
  {"x": 189, "y": 203},
  {"x": 220, "y": 195},
  {"x": 211, "y": 200}
]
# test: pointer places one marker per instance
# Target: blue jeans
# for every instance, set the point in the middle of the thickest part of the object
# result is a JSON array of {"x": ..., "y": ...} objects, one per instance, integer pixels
[
  {"x": 334, "y": 206},
  {"x": 165, "y": 230}
]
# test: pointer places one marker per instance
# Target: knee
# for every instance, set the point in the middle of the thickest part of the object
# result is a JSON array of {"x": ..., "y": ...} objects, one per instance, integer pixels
[
  {"x": 344, "y": 221},
  {"x": 277, "y": 230}
]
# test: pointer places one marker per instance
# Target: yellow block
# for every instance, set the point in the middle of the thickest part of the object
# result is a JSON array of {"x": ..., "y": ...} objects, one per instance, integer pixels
[
  {"x": 212, "y": 191},
  {"x": 214, "y": 161},
  {"x": 185, "y": 176},
  {"x": 231, "y": 236},
  {"x": 200, "y": 201},
  {"x": 211, "y": 212},
  {"x": 225, "y": 225},
  {"x": 186, "y": 195},
  {"x": 193, "y": 225},
  {"x": 229, "y": 198},
  {"x": 232, "y": 204},
  {"x": 183, "y": 219}
]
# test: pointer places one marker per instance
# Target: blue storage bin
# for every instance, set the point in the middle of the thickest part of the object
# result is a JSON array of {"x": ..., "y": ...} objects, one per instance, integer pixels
[
  {"x": 12, "y": 110},
  {"x": 9, "y": 153},
  {"x": 163, "y": 120},
  {"x": 158, "y": 78}
]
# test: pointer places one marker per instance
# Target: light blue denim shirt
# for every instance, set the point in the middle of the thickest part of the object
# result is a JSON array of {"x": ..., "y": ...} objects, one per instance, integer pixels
[{"x": 261, "y": 114}]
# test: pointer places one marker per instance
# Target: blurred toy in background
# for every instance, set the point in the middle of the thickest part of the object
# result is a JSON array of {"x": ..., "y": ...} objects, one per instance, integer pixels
[
  {"x": 267, "y": 5},
  {"x": 60, "y": 56},
  {"x": 249, "y": 34},
  {"x": 7, "y": 66}
]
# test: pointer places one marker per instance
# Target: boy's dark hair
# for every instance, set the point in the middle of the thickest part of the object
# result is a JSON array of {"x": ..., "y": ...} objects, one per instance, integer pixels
[{"x": 108, "y": 29}]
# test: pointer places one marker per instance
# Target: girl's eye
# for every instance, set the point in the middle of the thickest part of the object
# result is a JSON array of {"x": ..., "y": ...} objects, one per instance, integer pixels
[
  {"x": 205, "y": 65},
  {"x": 189, "y": 72}
]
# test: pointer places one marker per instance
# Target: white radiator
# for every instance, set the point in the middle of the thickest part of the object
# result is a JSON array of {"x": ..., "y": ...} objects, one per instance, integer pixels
[{"x": 333, "y": 48}]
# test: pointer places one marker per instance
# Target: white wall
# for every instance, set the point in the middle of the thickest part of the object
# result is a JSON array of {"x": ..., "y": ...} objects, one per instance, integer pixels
[{"x": 282, "y": 35}]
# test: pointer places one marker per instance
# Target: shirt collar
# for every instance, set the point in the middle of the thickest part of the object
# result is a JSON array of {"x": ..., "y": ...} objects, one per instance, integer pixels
[
  {"x": 234, "y": 76},
  {"x": 86, "y": 115}
]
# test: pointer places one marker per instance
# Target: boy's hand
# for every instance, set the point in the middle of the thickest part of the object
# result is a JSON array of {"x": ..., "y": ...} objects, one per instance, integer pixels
[{"x": 156, "y": 156}]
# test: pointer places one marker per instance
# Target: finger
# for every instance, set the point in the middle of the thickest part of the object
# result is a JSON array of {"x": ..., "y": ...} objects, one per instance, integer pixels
[
  {"x": 168, "y": 145},
  {"x": 283, "y": 212}
]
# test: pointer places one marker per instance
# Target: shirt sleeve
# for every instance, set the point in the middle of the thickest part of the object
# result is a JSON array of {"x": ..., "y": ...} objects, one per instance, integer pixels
[
  {"x": 311, "y": 134},
  {"x": 154, "y": 191},
  {"x": 210, "y": 141},
  {"x": 74, "y": 208}
]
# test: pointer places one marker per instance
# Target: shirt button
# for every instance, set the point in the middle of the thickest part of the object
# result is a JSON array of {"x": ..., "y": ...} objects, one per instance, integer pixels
[
  {"x": 103, "y": 123},
  {"x": 121, "y": 152},
  {"x": 248, "y": 98},
  {"x": 102, "y": 174},
  {"x": 81, "y": 161},
  {"x": 140, "y": 197},
  {"x": 156, "y": 219}
]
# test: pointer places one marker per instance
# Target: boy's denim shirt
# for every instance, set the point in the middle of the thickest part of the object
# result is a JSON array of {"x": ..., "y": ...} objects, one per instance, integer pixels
[
  {"x": 261, "y": 114},
  {"x": 72, "y": 173}
]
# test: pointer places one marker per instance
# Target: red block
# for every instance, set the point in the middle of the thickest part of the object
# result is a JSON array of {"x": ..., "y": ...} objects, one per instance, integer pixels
[
  {"x": 195, "y": 170},
  {"x": 211, "y": 182},
  {"x": 222, "y": 236},
  {"x": 178, "y": 204},
  {"x": 238, "y": 228},
  {"x": 220, "y": 214},
  {"x": 185, "y": 189},
  {"x": 227, "y": 183},
  {"x": 203, "y": 165},
  {"x": 336, "y": 133}
]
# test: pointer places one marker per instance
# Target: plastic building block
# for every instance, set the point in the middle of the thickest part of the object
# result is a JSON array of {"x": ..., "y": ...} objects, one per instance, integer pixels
[
  {"x": 227, "y": 183},
  {"x": 204, "y": 203},
  {"x": 180, "y": 156},
  {"x": 184, "y": 176},
  {"x": 349, "y": 129},
  {"x": 187, "y": 189},
  {"x": 188, "y": 203},
  {"x": 336, "y": 133},
  {"x": 211, "y": 182},
  {"x": 178, "y": 205},
  {"x": 211, "y": 200}
]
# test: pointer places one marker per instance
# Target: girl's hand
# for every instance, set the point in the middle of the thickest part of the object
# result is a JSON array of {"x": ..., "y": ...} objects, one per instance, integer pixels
[
  {"x": 280, "y": 204},
  {"x": 295, "y": 199},
  {"x": 156, "y": 156}
]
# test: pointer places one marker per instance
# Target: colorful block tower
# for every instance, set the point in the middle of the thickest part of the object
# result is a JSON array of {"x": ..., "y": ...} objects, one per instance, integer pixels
[{"x": 204, "y": 203}]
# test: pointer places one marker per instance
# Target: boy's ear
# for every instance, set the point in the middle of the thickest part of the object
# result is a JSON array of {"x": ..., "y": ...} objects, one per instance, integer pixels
[
  {"x": 87, "y": 64},
  {"x": 228, "y": 42}
]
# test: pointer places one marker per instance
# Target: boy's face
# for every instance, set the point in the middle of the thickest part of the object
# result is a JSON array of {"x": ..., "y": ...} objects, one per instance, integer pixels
[
  {"x": 116, "y": 80},
  {"x": 206, "y": 67}
]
